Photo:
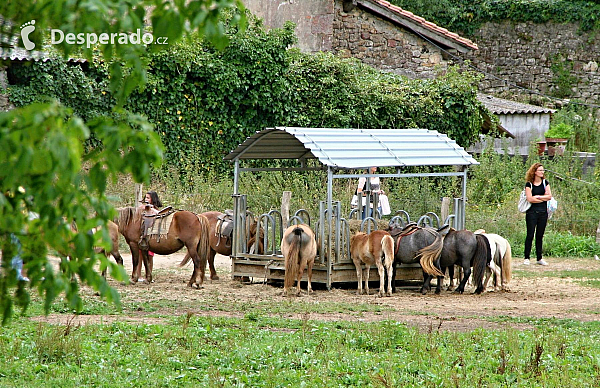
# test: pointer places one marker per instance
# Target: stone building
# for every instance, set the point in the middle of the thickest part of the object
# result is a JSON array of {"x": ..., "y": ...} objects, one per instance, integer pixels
[
  {"x": 392, "y": 39},
  {"x": 526, "y": 58},
  {"x": 525, "y": 123}
]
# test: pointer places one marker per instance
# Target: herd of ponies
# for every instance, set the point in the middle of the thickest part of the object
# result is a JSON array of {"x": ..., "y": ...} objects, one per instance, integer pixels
[{"x": 479, "y": 255}]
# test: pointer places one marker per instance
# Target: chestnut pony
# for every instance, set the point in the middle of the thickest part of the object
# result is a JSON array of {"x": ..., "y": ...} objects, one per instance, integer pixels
[
  {"x": 376, "y": 248},
  {"x": 221, "y": 245},
  {"x": 186, "y": 229},
  {"x": 113, "y": 232},
  {"x": 299, "y": 249}
]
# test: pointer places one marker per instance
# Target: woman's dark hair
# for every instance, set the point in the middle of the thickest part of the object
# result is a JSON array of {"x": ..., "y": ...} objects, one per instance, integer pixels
[{"x": 155, "y": 200}]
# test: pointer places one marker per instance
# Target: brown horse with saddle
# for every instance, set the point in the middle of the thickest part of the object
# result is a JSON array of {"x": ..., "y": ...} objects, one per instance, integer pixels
[
  {"x": 165, "y": 233},
  {"x": 220, "y": 227}
]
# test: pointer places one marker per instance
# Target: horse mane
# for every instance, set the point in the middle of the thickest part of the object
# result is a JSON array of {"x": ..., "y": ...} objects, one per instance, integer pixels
[{"x": 126, "y": 216}]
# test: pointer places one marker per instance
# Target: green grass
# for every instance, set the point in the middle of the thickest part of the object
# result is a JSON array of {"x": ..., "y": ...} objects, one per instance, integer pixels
[{"x": 275, "y": 352}]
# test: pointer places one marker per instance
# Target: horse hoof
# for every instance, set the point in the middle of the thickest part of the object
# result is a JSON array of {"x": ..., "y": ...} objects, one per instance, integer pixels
[{"x": 216, "y": 277}]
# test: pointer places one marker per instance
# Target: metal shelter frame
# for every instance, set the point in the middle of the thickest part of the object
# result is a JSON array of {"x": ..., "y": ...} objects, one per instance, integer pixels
[{"x": 340, "y": 150}]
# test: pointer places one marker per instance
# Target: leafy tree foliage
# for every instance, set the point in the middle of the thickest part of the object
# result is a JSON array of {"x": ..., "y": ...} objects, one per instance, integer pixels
[{"x": 43, "y": 167}]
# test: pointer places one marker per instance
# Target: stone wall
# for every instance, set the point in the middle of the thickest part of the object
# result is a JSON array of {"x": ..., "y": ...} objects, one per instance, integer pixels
[
  {"x": 523, "y": 54},
  {"x": 381, "y": 44},
  {"x": 313, "y": 19}
]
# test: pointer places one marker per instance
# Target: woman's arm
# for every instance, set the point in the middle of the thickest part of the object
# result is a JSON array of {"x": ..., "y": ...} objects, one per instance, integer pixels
[
  {"x": 361, "y": 185},
  {"x": 547, "y": 195},
  {"x": 538, "y": 198}
]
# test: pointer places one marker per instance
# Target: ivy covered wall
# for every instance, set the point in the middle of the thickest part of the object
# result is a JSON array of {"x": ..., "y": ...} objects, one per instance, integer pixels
[{"x": 204, "y": 102}]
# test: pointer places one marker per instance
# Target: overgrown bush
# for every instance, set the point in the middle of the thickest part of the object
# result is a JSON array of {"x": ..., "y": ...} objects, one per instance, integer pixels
[{"x": 585, "y": 123}]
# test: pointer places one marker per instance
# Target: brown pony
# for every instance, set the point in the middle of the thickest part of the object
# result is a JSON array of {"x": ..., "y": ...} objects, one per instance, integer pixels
[
  {"x": 113, "y": 232},
  {"x": 221, "y": 245},
  {"x": 299, "y": 249},
  {"x": 371, "y": 249},
  {"x": 187, "y": 229}
]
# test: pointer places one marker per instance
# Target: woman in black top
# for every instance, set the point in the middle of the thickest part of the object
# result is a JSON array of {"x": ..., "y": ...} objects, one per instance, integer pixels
[{"x": 538, "y": 193}]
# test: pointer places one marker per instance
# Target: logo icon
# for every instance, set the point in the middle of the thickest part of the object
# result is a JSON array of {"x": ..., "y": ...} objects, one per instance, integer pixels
[{"x": 27, "y": 29}]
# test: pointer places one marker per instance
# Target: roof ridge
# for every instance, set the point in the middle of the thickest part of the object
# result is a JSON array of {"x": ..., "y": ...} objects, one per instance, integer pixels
[{"x": 425, "y": 23}]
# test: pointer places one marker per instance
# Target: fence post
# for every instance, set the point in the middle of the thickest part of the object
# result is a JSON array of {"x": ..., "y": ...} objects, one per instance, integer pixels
[
  {"x": 139, "y": 194},
  {"x": 445, "y": 210},
  {"x": 285, "y": 208}
]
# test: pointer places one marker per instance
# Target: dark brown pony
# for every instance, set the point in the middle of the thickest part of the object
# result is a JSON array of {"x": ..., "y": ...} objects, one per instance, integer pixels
[
  {"x": 186, "y": 229},
  {"x": 466, "y": 249},
  {"x": 222, "y": 245},
  {"x": 113, "y": 233},
  {"x": 299, "y": 249}
]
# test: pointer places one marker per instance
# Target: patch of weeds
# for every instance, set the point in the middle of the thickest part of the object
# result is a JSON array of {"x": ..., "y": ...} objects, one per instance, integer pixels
[{"x": 593, "y": 283}]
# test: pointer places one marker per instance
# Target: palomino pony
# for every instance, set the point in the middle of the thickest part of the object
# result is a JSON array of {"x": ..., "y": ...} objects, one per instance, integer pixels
[
  {"x": 299, "y": 249},
  {"x": 371, "y": 249},
  {"x": 501, "y": 264},
  {"x": 186, "y": 229},
  {"x": 464, "y": 248},
  {"x": 415, "y": 244},
  {"x": 221, "y": 245}
]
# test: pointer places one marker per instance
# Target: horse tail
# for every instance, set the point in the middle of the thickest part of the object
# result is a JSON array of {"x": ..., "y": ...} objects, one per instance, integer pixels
[
  {"x": 482, "y": 256},
  {"x": 387, "y": 246},
  {"x": 203, "y": 248},
  {"x": 292, "y": 259},
  {"x": 430, "y": 254},
  {"x": 507, "y": 263},
  {"x": 187, "y": 257}
]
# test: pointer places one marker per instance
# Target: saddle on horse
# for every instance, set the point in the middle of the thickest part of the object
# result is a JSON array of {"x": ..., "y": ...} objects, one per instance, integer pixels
[
  {"x": 224, "y": 227},
  {"x": 155, "y": 224},
  {"x": 398, "y": 233}
]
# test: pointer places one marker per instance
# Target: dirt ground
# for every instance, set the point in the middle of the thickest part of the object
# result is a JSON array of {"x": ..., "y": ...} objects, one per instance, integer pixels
[{"x": 532, "y": 295}]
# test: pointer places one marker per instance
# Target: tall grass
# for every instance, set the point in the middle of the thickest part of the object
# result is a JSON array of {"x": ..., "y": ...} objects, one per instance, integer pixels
[{"x": 263, "y": 351}]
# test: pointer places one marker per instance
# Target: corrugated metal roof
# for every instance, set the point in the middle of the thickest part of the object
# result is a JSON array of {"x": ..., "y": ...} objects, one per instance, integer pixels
[
  {"x": 355, "y": 148},
  {"x": 501, "y": 106}
]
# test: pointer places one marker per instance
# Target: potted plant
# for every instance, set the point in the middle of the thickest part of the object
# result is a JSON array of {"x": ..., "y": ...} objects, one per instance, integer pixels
[
  {"x": 557, "y": 137},
  {"x": 541, "y": 146}
]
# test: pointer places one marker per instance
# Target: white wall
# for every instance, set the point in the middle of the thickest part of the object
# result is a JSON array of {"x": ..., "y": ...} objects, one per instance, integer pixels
[{"x": 526, "y": 128}]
